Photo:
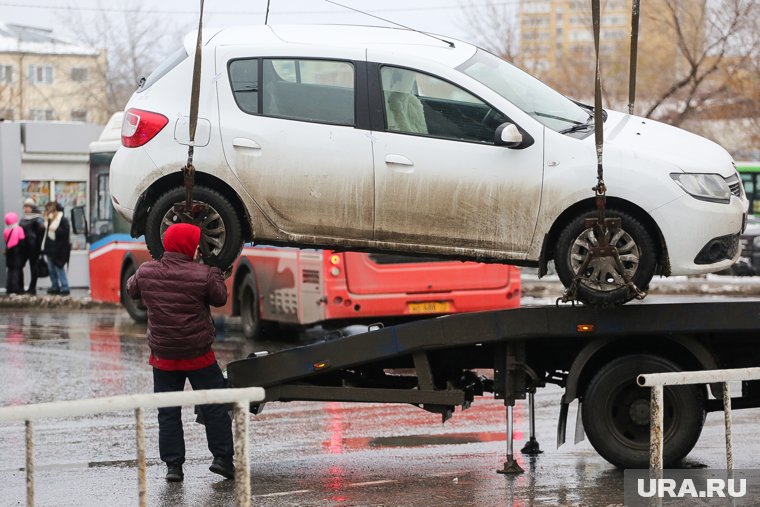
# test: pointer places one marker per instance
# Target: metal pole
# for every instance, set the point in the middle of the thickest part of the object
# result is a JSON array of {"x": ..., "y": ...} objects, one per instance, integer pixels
[
  {"x": 531, "y": 447},
  {"x": 242, "y": 467},
  {"x": 727, "y": 418},
  {"x": 29, "y": 463},
  {"x": 656, "y": 430},
  {"x": 142, "y": 487},
  {"x": 510, "y": 466}
]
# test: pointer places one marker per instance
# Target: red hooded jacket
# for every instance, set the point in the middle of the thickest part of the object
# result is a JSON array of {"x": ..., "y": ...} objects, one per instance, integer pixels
[{"x": 177, "y": 293}]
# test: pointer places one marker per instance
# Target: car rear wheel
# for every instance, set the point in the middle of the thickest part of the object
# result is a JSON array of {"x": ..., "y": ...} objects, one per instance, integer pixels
[
  {"x": 135, "y": 307},
  {"x": 602, "y": 283},
  {"x": 221, "y": 232},
  {"x": 615, "y": 413}
]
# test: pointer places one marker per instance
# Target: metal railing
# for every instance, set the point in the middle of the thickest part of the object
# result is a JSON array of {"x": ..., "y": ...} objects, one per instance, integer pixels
[
  {"x": 679, "y": 378},
  {"x": 137, "y": 402}
]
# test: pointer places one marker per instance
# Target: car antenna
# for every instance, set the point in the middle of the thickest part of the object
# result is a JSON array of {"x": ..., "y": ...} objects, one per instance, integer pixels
[
  {"x": 266, "y": 16},
  {"x": 451, "y": 44}
]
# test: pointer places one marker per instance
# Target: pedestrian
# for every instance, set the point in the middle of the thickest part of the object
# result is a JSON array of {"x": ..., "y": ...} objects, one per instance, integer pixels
[
  {"x": 57, "y": 247},
  {"x": 34, "y": 229},
  {"x": 177, "y": 292},
  {"x": 14, "y": 254}
]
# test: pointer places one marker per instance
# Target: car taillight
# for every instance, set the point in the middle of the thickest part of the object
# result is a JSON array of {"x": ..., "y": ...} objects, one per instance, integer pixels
[{"x": 140, "y": 126}]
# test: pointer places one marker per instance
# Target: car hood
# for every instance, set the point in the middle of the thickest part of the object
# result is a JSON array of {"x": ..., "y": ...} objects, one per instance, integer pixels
[{"x": 635, "y": 137}]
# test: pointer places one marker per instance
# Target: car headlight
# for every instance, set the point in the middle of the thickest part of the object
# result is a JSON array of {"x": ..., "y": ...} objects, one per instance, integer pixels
[{"x": 705, "y": 187}]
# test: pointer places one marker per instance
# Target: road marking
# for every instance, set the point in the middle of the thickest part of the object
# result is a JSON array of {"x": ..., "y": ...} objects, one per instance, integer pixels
[
  {"x": 369, "y": 483},
  {"x": 285, "y": 493}
]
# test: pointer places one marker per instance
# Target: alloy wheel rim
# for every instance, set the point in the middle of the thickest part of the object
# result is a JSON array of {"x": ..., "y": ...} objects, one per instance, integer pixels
[
  {"x": 213, "y": 231},
  {"x": 602, "y": 273}
]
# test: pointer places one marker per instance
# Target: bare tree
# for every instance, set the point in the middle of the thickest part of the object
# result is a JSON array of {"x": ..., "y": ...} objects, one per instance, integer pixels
[
  {"x": 134, "y": 40},
  {"x": 493, "y": 26}
]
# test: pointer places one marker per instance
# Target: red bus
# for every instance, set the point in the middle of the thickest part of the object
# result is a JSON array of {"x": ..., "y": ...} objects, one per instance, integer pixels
[{"x": 300, "y": 287}]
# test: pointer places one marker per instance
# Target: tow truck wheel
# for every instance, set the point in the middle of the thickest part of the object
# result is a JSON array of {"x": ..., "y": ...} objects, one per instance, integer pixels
[
  {"x": 134, "y": 307},
  {"x": 615, "y": 413},
  {"x": 249, "y": 309},
  {"x": 221, "y": 232},
  {"x": 602, "y": 283}
]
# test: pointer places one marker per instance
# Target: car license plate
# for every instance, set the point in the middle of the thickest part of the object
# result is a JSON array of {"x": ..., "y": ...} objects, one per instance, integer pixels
[{"x": 429, "y": 307}]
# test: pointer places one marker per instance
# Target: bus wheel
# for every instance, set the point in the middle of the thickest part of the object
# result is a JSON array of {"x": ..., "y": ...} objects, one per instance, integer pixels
[
  {"x": 615, "y": 413},
  {"x": 221, "y": 232},
  {"x": 134, "y": 307},
  {"x": 250, "y": 314},
  {"x": 602, "y": 283}
]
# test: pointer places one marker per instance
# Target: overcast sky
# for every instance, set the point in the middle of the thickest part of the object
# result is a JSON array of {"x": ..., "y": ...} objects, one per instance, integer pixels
[{"x": 440, "y": 16}]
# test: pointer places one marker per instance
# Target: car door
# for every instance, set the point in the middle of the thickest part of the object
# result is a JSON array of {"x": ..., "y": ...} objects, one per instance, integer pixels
[
  {"x": 439, "y": 177},
  {"x": 290, "y": 133}
]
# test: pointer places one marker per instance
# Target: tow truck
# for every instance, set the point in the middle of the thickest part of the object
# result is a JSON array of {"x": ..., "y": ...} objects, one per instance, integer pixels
[{"x": 593, "y": 353}]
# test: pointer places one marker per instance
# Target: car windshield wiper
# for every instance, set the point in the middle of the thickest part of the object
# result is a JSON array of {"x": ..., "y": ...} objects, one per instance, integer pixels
[
  {"x": 580, "y": 126},
  {"x": 560, "y": 118}
]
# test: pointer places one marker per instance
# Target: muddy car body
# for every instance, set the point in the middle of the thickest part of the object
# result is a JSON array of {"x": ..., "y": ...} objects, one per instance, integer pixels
[{"x": 382, "y": 139}]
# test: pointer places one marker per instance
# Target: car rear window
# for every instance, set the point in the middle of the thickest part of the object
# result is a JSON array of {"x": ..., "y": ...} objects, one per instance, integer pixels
[{"x": 164, "y": 67}]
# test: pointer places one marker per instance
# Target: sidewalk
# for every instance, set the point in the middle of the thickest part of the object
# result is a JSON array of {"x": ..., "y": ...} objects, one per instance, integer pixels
[{"x": 79, "y": 299}]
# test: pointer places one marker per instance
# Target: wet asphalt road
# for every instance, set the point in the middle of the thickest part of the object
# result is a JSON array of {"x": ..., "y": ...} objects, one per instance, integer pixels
[{"x": 315, "y": 454}]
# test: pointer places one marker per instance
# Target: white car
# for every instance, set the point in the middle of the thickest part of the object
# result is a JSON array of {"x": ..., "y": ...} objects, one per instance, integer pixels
[{"x": 384, "y": 139}]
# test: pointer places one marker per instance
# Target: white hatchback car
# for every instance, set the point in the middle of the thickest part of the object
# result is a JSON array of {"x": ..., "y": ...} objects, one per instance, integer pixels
[{"x": 383, "y": 139}]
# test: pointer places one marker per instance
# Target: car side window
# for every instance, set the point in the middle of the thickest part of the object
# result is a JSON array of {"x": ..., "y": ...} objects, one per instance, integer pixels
[
  {"x": 312, "y": 90},
  {"x": 244, "y": 78},
  {"x": 418, "y": 103}
]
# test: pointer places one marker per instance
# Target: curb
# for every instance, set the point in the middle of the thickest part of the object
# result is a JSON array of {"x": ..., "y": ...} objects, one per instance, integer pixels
[{"x": 64, "y": 302}]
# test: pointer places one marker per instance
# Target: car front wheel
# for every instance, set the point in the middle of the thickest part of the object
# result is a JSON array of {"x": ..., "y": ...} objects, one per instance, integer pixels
[
  {"x": 602, "y": 283},
  {"x": 221, "y": 232}
]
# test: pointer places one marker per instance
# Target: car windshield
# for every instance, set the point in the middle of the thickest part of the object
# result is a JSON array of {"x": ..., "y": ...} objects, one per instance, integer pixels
[{"x": 543, "y": 103}]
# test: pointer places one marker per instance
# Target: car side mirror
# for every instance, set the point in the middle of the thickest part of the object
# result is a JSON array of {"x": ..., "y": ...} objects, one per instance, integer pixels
[
  {"x": 507, "y": 134},
  {"x": 79, "y": 220}
]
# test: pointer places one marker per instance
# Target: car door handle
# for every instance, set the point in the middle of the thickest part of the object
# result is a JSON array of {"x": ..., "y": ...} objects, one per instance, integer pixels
[
  {"x": 242, "y": 142},
  {"x": 398, "y": 160}
]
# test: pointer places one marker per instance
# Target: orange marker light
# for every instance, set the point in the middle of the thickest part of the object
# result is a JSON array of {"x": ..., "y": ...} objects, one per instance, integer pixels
[
  {"x": 321, "y": 365},
  {"x": 335, "y": 260},
  {"x": 585, "y": 328}
]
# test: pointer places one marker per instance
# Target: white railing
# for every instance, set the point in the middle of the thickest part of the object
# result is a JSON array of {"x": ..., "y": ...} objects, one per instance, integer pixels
[
  {"x": 137, "y": 402},
  {"x": 678, "y": 378}
]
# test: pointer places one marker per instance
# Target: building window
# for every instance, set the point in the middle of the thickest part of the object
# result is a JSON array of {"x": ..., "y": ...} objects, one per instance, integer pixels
[
  {"x": 41, "y": 74},
  {"x": 78, "y": 115},
  {"x": 41, "y": 114},
  {"x": 6, "y": 114},
  {"x": 79, "y": 74},
  {"x": 6, "y": 73}
]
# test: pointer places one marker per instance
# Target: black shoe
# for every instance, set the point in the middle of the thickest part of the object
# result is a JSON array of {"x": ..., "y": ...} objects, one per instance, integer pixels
[
  {"x": 64, "y": 293},
  {"x": 174, "y": 473},
  {"x": 53, "y": 291},
  {"x": 223, "y": 467}
]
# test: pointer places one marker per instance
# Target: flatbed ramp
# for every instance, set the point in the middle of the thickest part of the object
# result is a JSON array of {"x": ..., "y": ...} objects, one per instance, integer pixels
[{"x": 440, "y": 363}]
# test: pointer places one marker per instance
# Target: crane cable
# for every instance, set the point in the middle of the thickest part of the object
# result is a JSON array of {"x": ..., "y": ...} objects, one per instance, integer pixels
[{"x": 188, "y": 171}]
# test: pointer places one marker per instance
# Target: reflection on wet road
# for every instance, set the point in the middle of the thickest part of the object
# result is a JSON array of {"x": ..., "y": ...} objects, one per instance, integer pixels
[{"x": 314, "y": 454}]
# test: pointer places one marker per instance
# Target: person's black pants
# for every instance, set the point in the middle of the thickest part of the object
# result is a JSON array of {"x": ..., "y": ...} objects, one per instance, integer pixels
[
  {"x": 14, "y": 280},
  {"x": 33, "y": 270},
  {"x": 171, "y": 439}
]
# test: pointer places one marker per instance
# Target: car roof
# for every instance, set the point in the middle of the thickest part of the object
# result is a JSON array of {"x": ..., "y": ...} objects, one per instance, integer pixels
[{"x": 340, "y": 36}]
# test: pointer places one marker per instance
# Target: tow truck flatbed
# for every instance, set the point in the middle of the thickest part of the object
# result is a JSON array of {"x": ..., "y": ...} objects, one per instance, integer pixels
[{"x": 437, "y": 363}]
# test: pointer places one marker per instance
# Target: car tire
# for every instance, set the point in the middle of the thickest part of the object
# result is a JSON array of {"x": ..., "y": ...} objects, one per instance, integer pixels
[
  {"x": 615, "y": 413},
  {"x": 135, "y": 307},
  {"x": 570, "y": 249},
  {"x": 226, "y": 220}
]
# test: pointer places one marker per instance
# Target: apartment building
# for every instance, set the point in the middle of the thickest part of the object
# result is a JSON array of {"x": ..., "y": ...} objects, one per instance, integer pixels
[{"x": 45, "y": 78}]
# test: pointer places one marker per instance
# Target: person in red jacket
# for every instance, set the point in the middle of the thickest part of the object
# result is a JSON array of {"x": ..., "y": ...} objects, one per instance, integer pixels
[{"x": 177, "y": 292}]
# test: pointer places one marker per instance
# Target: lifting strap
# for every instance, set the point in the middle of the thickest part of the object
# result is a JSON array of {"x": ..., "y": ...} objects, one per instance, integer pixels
[
  {"x": 188, "y": 171},
  {"x": 634, "y": 55},
  {"x": 601, "y": 224}
]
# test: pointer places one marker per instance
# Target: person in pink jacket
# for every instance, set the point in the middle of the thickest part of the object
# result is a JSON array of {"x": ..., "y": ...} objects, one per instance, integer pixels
[{"x": 14, "y": 254}]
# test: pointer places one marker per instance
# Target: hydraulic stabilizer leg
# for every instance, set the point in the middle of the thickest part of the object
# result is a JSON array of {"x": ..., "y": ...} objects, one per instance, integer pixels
[
  {"x": 510, "y": 466},
  {"x": 531, "y": 447}
]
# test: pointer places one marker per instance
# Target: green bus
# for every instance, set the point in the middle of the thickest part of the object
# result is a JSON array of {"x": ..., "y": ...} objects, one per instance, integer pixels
[{"x": 750, "y": 172}]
